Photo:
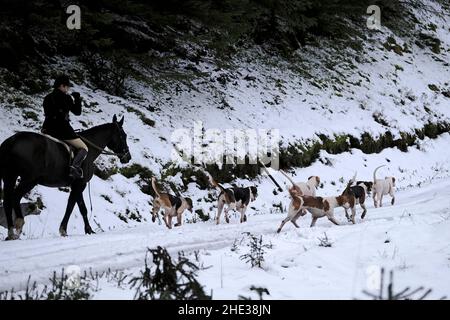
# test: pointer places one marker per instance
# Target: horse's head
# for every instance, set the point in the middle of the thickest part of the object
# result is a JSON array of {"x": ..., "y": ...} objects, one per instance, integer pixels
[{"x": 118, "y": 142}]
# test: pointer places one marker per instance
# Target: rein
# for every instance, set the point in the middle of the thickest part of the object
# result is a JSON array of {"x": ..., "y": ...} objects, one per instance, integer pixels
[{"x": 102, "y": 150}]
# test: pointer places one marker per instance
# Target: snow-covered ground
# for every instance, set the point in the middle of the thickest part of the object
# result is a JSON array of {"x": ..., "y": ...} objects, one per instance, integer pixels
[
  {"x": 410, "y": 238},
  {"x": 385, "y": 84}
]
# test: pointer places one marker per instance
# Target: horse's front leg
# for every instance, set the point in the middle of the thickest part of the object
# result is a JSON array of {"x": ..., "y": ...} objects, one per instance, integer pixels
[
  {"x": 76, "y": 196},
  {"x": 84, "y": 211}
]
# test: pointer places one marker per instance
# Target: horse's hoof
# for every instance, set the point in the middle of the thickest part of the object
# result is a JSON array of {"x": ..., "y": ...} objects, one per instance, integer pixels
[
  {"x": 12, "y": 237},
  {"x": 89, "y": 231},
  {"x": 63, "y": 232},
  {"x": 18, "y": 225}
]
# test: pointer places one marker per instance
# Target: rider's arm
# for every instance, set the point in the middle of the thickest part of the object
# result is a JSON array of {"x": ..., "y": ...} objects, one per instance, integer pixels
[
  {"x": 47, "y": 106},
  {"x": 75, "y": 103},
  {"x": 52, "y": 108}
]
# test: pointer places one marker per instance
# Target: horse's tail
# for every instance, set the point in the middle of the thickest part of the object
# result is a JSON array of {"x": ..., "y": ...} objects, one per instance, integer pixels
[
  {"x": 1, "y": 177},
  {"x": 154, "y": 187},
  {"x": 1, "y": 183}
]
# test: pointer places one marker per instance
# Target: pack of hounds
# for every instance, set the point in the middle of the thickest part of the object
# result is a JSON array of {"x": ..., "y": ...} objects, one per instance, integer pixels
[{"x": 302, "y": 194}]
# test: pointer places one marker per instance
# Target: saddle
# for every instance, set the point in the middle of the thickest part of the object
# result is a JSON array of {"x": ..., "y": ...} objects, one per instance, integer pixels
[{"x": 67, "y": 146}]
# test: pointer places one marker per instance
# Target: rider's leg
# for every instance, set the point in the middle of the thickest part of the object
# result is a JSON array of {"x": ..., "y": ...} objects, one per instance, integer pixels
[{"x": 75, "y": 168}]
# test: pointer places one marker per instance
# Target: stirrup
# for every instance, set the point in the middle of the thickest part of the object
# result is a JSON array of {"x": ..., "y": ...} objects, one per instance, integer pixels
[{"x": 76, "y": 172}]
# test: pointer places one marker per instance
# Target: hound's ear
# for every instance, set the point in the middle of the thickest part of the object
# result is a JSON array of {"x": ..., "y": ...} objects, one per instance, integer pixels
[
  {"x": 121, "y": 121},
  {"x": 114, "y": 119}
]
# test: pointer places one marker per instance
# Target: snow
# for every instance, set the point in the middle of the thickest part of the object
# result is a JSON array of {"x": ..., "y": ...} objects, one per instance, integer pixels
[
  {"x": 416, "y": 226},
  {"x": 296, "y": 267}
]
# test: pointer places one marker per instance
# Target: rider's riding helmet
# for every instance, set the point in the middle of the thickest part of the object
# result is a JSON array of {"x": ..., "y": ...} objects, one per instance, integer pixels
[{"x": 62, "y": 79}]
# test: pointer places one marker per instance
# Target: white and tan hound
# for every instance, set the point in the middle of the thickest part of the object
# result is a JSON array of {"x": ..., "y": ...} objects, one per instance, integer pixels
[
  {"x": 173, "y": 206},
  {"x": 300, "y": 189},
  {"x": 319, "y": 206},
  {"x": 382, "y": 187}
]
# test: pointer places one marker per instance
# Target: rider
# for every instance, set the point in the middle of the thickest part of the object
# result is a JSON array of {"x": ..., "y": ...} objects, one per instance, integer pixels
[{"x": 57, "y": 106}]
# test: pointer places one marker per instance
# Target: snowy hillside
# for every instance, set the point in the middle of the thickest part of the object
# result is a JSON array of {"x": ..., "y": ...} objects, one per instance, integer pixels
[{"x": 394, "y": 84}]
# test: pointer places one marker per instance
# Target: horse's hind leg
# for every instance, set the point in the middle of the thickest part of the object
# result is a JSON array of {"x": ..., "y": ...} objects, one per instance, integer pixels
[
  {"x": 70, "y": 204},
  {"x": 8, "y": 197},
  {"x": 21, "y": 190}
]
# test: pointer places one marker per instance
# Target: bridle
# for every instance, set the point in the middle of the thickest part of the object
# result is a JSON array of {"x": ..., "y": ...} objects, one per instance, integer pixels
[{"x": 121, "y": 155}]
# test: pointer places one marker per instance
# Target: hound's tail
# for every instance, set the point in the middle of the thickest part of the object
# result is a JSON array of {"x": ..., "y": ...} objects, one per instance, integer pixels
[
  {"x": 353, "y": 181},
  {"x": 375, "y": 172},
  {"x": 218, "y": 185},
  {"x": 349, "y": 184},
  {"x": 284, "y": 174},
  {"x": 154, "y": 186},
  {"x": 295, "y": 190},
  {"x": 214, "y": 183}
]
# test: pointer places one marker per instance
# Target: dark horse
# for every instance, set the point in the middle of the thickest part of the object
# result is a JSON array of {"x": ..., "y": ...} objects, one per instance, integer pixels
[{"x": 37, "y": 159}]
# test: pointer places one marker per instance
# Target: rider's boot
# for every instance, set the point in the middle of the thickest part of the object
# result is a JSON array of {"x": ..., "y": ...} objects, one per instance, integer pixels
[{"x": 75, "y": 169}]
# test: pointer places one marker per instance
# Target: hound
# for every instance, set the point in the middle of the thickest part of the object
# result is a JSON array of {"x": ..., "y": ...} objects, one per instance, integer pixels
[
  {"x": 367, "y": 185},
  {"x": 319, "y": 206},
  {"x": 173, "y": 206},
  {"x": 234, "y": 198},
  {"x": 360, "y": 192},
  {"x": 382, "y": 187},
  {"x": 298, "y": 189},
  {"x": 309, "y": 187}
]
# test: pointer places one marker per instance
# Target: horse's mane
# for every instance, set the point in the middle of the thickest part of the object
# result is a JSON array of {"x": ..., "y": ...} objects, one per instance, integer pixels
[{"x": 94, "y": 129}]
